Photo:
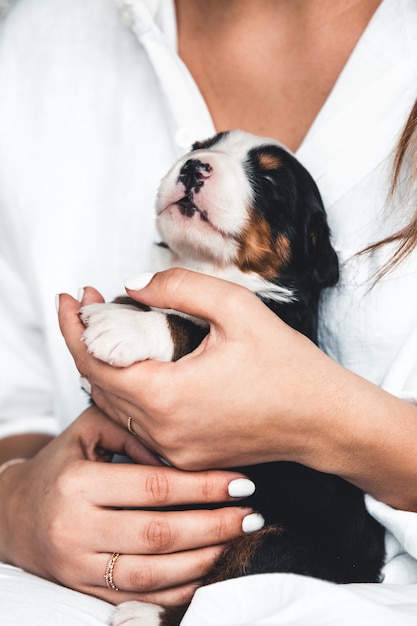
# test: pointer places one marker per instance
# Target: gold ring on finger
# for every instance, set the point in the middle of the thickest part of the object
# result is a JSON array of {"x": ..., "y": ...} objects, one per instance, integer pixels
[
  {"x": 129, "y": 426},
  {"x": 108, "y": 575}
]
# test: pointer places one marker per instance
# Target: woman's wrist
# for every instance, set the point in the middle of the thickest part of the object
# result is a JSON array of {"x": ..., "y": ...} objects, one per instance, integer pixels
[
  {"x": 25, "y": 445},
  {"x": 16, "y": 452},
  {"x": 9, "y": 490},
  {"x": 10, "y": 463}
]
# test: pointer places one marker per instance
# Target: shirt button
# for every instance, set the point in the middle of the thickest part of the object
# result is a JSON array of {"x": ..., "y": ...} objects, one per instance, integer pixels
[{"x": 185, "y": 136}]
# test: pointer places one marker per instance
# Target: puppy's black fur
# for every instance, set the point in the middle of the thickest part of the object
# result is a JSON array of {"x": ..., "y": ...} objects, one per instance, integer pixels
[{"x": 316, "y": 524}]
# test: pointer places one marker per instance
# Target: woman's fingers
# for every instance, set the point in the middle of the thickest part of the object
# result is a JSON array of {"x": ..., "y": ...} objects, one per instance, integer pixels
[
  {"x": 112, "y": 439},
  {"x": 191, "y": 292},
  {"x": 92, "y": 369},
  {"x": 72, "y": 329},
  {"x": 146, "y": 574},
  {"x": 119, "y": 408},
  {"x": 127, "y": 485},
  {"x": 89, "y": 295},
  {"x": 149, "y": 532},
  {"x": 173, "y": 596},
  {"x": 73, "y": 513}
]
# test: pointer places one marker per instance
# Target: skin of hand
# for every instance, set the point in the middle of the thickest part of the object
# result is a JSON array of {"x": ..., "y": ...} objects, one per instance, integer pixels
[
  {"x": 60, "y": 516},
  {"x": 252, "y": 369}
]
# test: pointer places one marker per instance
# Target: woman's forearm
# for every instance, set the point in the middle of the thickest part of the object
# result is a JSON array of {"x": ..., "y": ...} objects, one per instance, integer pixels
[
  {"x": 24, "y": 446},
  {"x": 15, "y": 447},
  {"x": 365, "y": 435}
]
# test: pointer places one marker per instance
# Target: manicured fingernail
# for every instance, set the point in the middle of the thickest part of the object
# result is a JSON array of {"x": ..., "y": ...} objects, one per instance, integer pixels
[
  {"x": 139, "y": 282},
  {"x": 80, "y": 294},
  {"x": 252, "y": 522},
  {"x": 241, "y": 488},
  {"x": 85, "y": 385},
  {"x": 57, "y": 302}
]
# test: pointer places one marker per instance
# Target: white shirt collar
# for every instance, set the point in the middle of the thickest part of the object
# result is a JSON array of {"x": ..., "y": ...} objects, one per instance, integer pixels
[
  {"x": 153, "y": 23},
  {"x": 363, "y": 108}
]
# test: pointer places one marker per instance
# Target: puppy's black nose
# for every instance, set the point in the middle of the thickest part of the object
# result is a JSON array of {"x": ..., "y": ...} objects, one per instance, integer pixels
[{"x": 193, "y": 174}]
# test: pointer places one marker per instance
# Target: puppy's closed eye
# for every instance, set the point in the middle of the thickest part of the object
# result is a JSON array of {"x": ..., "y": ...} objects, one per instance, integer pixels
[{"x": 243, "y": 208}]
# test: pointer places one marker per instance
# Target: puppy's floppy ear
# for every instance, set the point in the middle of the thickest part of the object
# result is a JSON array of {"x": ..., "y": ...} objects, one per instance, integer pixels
[
  {"x": 320, "y": 259},
  {"x": 320, "y": 256},
  {"x": 323, "y": 258}
]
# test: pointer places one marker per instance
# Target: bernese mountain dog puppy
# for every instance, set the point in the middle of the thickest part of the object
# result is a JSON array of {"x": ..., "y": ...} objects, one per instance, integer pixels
[{"x": 242, "y": 208}]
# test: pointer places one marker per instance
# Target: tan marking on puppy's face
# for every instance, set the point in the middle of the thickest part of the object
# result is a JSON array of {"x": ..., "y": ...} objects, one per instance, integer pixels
[{"x": 259, "y": 251}]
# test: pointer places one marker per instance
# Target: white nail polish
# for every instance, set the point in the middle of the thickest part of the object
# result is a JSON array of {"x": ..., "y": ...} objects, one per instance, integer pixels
[
  {"x": 80, "y": 294},
  {"x": 139, "y": 282},
  {"x": 57, "y": 302},
  {"x": 85, "y": 385},
  {"x": 241, "y": 488},
  {"x": 252, "y": 522}
]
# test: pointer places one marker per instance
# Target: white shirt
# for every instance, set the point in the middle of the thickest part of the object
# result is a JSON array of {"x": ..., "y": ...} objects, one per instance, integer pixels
[
  {"x": 93, "y": 111},
  {"x": 86, "y": 133}
]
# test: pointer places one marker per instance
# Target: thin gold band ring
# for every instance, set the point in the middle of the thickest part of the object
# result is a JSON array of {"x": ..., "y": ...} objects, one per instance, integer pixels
[
  {"x": 108, "y": 575},
  {"x": 129, "y": 426}
]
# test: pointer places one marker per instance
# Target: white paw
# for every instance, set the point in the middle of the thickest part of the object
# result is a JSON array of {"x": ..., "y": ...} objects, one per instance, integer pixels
[
  {"x": 120, "y": 334},
  {"x": 136, "y": 614}
]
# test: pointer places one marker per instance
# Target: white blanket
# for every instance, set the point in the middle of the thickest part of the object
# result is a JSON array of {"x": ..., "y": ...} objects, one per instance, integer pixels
[
  {"x": 252, "y": 601},
  {"x": 299, "y": 601}
]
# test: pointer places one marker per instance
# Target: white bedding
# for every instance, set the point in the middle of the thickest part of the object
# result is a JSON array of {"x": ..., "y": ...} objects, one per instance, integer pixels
[
  {"x": 299, "y": 601},
  {"x": 252, "y": 601}
]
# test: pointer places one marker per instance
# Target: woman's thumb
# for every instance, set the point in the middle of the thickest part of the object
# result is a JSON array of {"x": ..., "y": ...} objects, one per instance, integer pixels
[{"x": 189, "y": 292}]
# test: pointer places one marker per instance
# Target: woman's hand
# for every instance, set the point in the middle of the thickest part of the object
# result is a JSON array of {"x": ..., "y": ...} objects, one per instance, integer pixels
[
  {"x": 60, "y": 516},
  {"x": 242, "y": 374},
  {"x": 255, "y": 390}
]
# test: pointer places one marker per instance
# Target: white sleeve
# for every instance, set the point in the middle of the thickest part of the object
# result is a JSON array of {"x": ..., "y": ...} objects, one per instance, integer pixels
[
  {"x": 401, "y": 536},
  {"x": 25, "y": 387},
  {"x": 400, "y": 542}
]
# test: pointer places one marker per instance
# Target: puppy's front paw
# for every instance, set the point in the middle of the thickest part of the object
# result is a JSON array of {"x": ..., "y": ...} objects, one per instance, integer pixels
[
  {"x": 121, "y": 334},
  {"x": 137, "y": 614}
]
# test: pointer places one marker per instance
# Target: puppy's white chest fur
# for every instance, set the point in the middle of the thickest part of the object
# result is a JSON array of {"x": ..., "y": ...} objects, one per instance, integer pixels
[
  {"x": 205, "y": 214},
  {"x": 243, "y": 209}
]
